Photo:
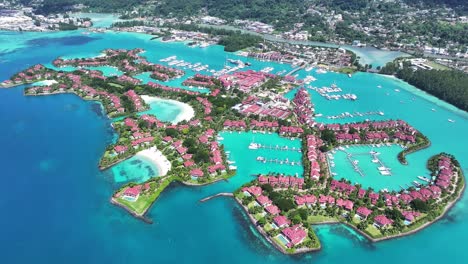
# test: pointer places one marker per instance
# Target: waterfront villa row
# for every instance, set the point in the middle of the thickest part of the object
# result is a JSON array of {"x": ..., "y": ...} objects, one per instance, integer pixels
[
  {"x": 140, "y": 138},
  {"x": 314, "y": 155},
  {"x": 34, "y": 73},
  {"x": 254, "y": 124},
  {"x": 396, "y": 130},
  {"x": 379, "y": 136},
  {"x": 241, "y": 125},
  {"x": 199, "y": 80},
  {"x": 344, "y": 189},
  {"x": 373, "y": 131},
  {"x": 70, "y": 82},
  {"x": 281, "y": 181},
  {"x": 216, "y": 157},
  {"x": 344, "y": 195},
  {"x": 445, "y": 172},
  {"x": 370, "y": 126},
  {"x": 303, "y": 107},
  {"x": 206, "y": 104},
  {"x": 291, "y": 236},
  {"x": 136, "y": 100},
  {"x": 128, "y": 61}
]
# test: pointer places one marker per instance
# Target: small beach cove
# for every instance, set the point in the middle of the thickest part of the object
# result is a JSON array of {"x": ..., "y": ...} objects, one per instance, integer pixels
[{"x": 168, "y": 110}]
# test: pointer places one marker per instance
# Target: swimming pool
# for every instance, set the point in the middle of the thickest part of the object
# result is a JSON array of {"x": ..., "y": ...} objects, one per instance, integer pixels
[{"x": 283, "y": 240}]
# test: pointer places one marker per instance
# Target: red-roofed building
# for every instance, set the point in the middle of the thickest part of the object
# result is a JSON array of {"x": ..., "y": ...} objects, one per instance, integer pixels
[
  {"x": 263, "y": 200},
  {"x": 252, "y": 190},
  {"x": 281, "y": 221},
  {"x": 120, "y": 149},
  {"x": 189, "y": 163},
  {"x": 196, "y": 173},
  {"x": 363, "y": 212},
  {"x": 382, "y": 221},
  {"x": 272, "y": 209},
  {"x": 131, "y": 193},
  {"x": 295, "y": 235},
  {"x": 436, "y": 191}
]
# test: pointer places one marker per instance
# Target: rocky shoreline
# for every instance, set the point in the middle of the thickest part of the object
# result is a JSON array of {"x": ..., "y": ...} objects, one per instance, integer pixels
[{"x": 138, "y": 216}]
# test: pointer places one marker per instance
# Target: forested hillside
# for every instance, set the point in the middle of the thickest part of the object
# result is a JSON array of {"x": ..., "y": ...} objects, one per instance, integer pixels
[
  {"x": 267, "y": 10},
  {"x": 54, "y": 6}
]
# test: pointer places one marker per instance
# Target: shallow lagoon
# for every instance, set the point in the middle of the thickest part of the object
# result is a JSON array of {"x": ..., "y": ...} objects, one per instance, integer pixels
[
  {"x": 135, "y": 169},
  {"x": 58, "y": 201},
  {"x": 165, "y": 111}
]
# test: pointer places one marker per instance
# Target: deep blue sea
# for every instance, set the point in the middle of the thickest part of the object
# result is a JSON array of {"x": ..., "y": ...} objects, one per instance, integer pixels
[{"x": 55, "y": 202}]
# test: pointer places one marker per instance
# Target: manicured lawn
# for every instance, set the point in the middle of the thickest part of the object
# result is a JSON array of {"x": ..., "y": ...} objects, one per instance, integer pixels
[
  {"x": 268, "y": 227},
  {"x": 240, "y": 195},
  {"x": 320, "y": 218},
  {"x": 258, "y": 216},
  {"x": 251, "y": 204},
  {"x": 356, "y": 220},
  {"x": 139, "y": 205},
  {"x": 373, "y": 231}
]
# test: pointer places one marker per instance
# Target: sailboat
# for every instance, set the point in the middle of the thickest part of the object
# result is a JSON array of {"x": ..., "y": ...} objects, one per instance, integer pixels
[{"x": 254, "y": 145}]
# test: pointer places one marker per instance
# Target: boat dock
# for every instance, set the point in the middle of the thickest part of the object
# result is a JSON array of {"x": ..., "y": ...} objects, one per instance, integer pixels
[
  {"x": 277, "y": 147},
  {"x": 279, "y": 161},
  {"x": 355, "y": 114},
  {"x": 349, "y": 157},
  {"x": 386, "y": 171}
]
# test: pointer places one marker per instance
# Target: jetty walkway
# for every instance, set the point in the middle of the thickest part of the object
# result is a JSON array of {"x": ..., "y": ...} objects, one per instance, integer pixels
[
  {"x": 216, "y": 195},
  {"x": 353, "y": 163},
  {"x": 278, "y": 161},
  {"x": 277, "y": 147},
  {"x": 374, "y": 157}
]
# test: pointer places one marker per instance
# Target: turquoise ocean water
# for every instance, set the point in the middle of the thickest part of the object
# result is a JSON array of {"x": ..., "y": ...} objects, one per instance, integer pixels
[{"x": 56, "y": 201}]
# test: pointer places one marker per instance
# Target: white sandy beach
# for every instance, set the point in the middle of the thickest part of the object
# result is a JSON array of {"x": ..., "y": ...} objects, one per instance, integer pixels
[
  {"x": 157, "y": 158},
  {"x": 45, "y": 83},
  {"x": 186, "y": 111}
]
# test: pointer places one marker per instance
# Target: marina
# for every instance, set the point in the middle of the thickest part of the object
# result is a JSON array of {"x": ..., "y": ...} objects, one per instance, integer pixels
[
  {"x": 257, "y": 154},
  {"x": 374, "y": 166},
  {"x": 333, "y": 93},
  {"x": 205, "y": 68}
]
